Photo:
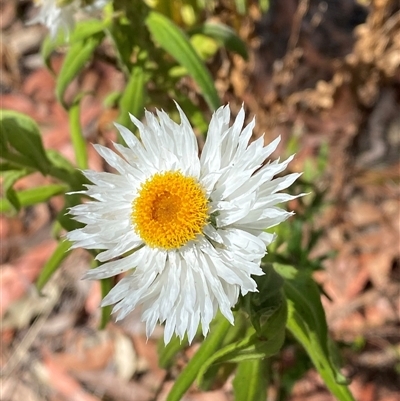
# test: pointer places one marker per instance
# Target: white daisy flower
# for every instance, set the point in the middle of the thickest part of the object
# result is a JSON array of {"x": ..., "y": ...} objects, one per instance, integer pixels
[
  {"x": 190, "y": 230},
  {"x": 59, "y": 15}
]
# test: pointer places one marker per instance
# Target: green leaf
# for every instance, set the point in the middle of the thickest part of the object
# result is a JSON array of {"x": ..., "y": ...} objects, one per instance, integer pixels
[
  {"x": 209, "y": 346},
  {"x": 124, "y": 41},
  {"x": 23, "y": 135},
  {"x": 262, "y": 304},
  {"x": 205, "y": 46},
  {"x": 167, "y": 353},
  {"x": 175, "y": 42},
  {"x": 64, "y": 218},
  {"x": 54, "y": 262},
  {"x": 133, "y": 99},
  {"x": 255, "y": 345},
  {"x": 82, "y": 30},
  {"x": 106, "y": 286},
  {"x": 65, "y": 171},
  {"x": 112, "y": 99},
  {"x": 22, "y": 148},
  {"x": 46, "y": 50},
  {"x": 77, "y": 56},
  {"x": 301, "y": 289},
  {"x": 6, "y": 166},
  {"x": 218, "y": 373},
  {"x": 41, "y": 194},
  {"x": 307, "y": 322},
  {"x": 225, "y": 35},
  {"x": 9, "y": 179},
  {"x": 32, "y": 196},
  {"x": 59, "y": 161},
  {"x": 88, "y": 28},
  {"x": 251, "y": 380},
  {"x": 77, "y": 138}
]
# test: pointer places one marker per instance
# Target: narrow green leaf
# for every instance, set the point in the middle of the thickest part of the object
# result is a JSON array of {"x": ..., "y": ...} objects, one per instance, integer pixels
[
  {"x": 262, "y": 304},
  {"x": 54, "y": 262},
  {"x": 13, "y": 199},
  {"x": 301, "y": 289},
  {"x": 307, "y": 322},
  {"x": 123, "y": 38},
  {"x": 106, "y": 286},
  {"x": 133, "y": 99},
  {"x": 220, "y": 372},
  {"x": 64, "y": 170},
  {"x": 6, "y": 166},
  {"x": 23, "y": 135},
  {"x": 87, "y": 28},
  {"x": 225, "y": 35},
  {"x": 77, "y": 138},
  {"x": 255, "y": 345},
  {"x": 251, "y": 380},
  {"x": 82, "y": 30},
  {"x": 41, "y": 194},
  {"x": 9, "y": 179},
  {"x": 65, "y": 218},
  {"x": 167, "y": 353},
  {"x": 59, "y": 161},
  {"x": 77, "y": 56},
  {"x": 209, "y": 346},
  {"x": 46, "y": 50},
  {"x": 175, "y": 42},
  {"x": 32, "y": 196},
  {"x": 205, "y": 47}
]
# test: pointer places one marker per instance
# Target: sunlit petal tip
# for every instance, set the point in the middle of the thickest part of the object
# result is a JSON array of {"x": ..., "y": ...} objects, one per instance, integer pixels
[{"x": 136, "y": 121}]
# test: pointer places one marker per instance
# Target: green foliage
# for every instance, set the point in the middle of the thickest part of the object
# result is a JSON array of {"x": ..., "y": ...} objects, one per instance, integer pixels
[
  {"x": 155, "y": 47},
  {"x": 254, "y": 345},
  {"x": 251, "y": 380},
  {"x": 106, "y": 285},
  {"x": 134, "y": 97},
  {"x": 78, "y": 141},
  {"x": 306, "y": 321},
  {"x": 225, "y": 35},
  {"x": 173, "y": 40},
  {"x": 82, "y": 31},
  {"x": 78, "y": 55},
  {"x": 21, "y": 143},
  {"x": 30, "y": 197},
  {"x": 167, "y": 353},
  {"x": 268, "y": 312},
  {"x": 10, "y": 177},
  {"x": 55, "y": 260},
  {"x": 261, "y": 305},
  {"x": 209, "y": 346}
]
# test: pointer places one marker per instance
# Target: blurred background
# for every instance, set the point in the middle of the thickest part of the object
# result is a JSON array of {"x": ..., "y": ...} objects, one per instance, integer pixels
[{"x": 325, "y": 75}]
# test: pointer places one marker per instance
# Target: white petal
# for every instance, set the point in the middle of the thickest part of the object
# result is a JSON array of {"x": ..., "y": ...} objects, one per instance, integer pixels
[
  {"x": 114, "y": 160},
  {"x": 117, "y": 267},
  {"x": 211, "y": 154},
  {"x": 184, "y": 287}
]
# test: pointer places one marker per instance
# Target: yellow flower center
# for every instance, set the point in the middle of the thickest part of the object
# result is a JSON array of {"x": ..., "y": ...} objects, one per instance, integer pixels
[{"x": 170, "y": 210}]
